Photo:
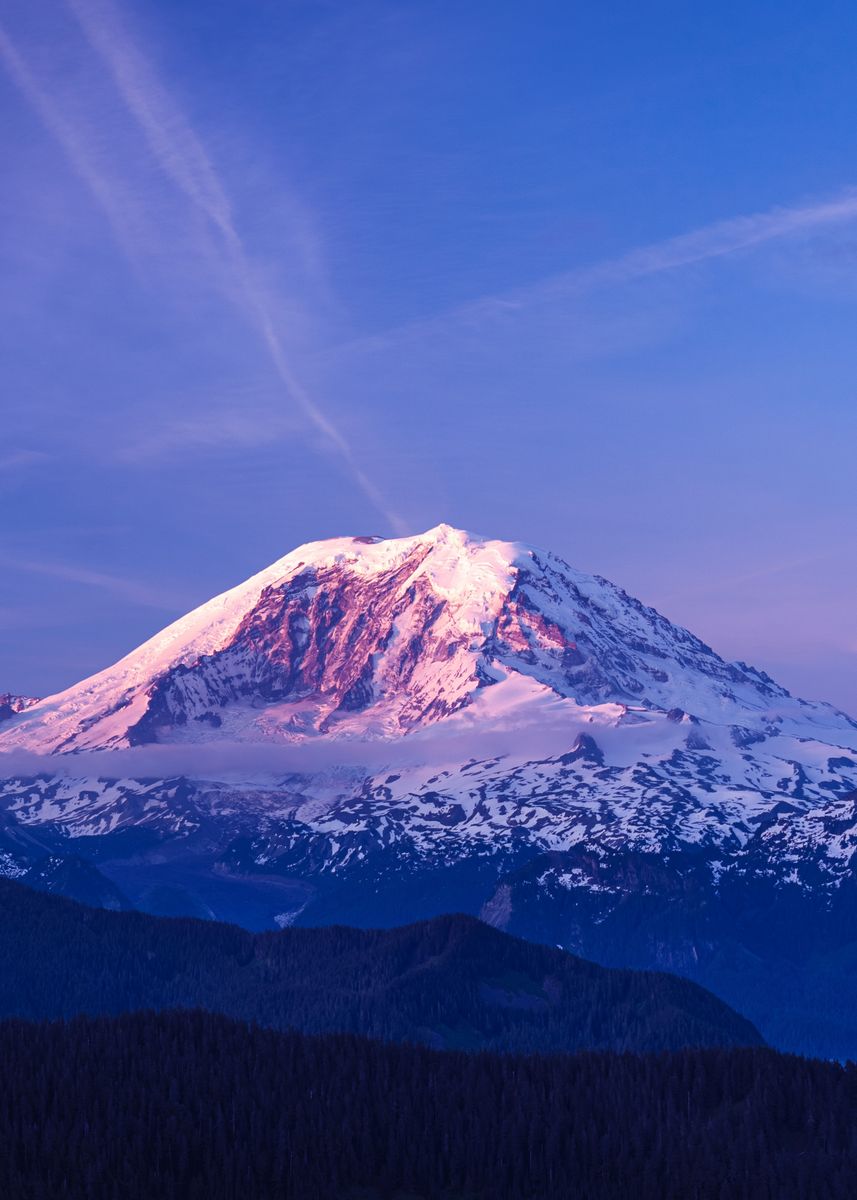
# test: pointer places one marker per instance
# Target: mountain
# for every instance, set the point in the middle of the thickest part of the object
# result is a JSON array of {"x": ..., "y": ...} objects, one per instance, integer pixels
[
  {"x": 365, "y": 636},
  {"x": 186, "y": 1105},
  {"x": 377, "y": 731},
  {"x": 452, "y": 981},
  {"x": 11, "y": 704}
]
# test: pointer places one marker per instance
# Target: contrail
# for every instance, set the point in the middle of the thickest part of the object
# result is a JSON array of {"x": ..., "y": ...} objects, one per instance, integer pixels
[
  {"x": 182, "y": 157},
  {"x": 715, "y": 241}
]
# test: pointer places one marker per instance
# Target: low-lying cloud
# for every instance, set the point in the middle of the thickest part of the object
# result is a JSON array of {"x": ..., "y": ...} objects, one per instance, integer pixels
[{"x": 222, "y": 760}]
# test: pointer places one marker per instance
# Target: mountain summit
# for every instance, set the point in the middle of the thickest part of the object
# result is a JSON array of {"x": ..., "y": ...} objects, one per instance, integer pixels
[{"x": 370, "y": 637}]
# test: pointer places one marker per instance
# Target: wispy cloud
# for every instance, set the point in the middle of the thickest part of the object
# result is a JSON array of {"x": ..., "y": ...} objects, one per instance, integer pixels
[
  {"x": 719, "y": 583},
  {"x": 718, "y": 240},
  {"x": 127, "y": 589},
  {"x": 211, "y": 431},
  {"x": 183, "y": 160},
  {"x": 77, "y": 147},
  {"x": 22, "y": 457}
]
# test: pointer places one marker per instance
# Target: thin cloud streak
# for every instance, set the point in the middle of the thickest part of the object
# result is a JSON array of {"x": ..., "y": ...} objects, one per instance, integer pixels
[
  {"x": 724, "y": 583},
  {"x": 212, "y": 432},
  {"x": 182, "y": 156},
  {"x": 716, "y": 241},
  {"x": 75, "y": 148},
  {"x": 23, "y": 458},
  {"x": 116, "y": 585},
  {"x": 719, "y": 240}
]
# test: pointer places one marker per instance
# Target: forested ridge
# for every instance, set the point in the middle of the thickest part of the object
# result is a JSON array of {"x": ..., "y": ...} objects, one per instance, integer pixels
[
  {"x": 193, "y": 1106},
  {"x": 448, "y": 982}
]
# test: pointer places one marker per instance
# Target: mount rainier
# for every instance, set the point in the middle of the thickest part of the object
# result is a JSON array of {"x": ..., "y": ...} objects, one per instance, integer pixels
[{"x": 373, "y": 730}]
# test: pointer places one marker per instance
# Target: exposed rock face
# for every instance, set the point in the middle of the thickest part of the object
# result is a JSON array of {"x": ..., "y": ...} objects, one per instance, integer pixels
[{"x": 338, "y": 639}]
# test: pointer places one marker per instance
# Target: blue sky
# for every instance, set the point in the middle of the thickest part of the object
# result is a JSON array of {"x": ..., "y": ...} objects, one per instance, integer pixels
[{"x": 583, "y": 275}]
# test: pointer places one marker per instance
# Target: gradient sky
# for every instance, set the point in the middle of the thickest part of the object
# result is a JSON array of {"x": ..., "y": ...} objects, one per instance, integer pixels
[{"x": 579, "y": 274}]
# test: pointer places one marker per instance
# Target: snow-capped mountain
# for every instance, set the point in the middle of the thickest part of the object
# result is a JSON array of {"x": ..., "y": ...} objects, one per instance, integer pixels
[
  {"x": 371, "y": 637},
  {"x": 372, "y": 729}
]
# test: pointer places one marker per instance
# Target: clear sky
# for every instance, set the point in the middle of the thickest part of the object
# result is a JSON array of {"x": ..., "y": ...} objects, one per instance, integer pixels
[{"x": 575, "y": 273}]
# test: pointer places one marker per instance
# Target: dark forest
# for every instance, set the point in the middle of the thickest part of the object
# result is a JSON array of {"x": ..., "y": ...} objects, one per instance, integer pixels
[{"x": 191, "y": 1106}]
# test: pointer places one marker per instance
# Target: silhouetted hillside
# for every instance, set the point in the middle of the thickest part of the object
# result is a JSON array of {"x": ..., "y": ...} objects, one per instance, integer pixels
[{"x": 452, "y": 981}]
